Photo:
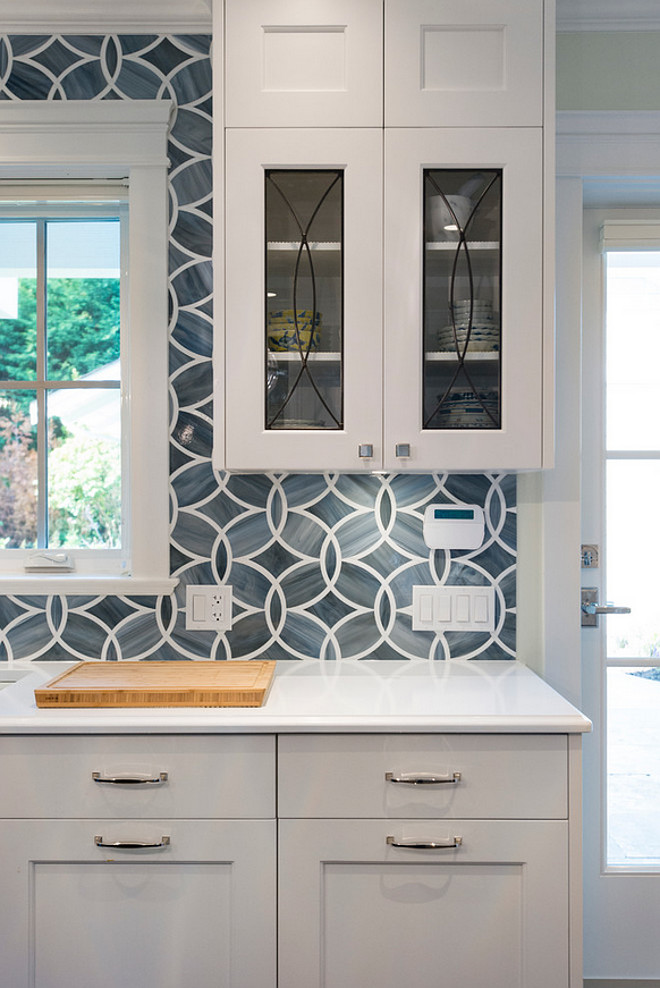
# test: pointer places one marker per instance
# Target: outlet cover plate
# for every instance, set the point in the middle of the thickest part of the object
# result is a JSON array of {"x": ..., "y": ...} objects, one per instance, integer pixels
[{"x": 208, "y": 607}]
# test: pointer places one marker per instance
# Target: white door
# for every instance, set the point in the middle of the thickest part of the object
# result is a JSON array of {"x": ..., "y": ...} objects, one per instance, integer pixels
[
  {"x": 478, "y": 63},
  {"x": 516, "y": 441},
  {"x": 621, "y": 689},
  {"x": 357, "y": 907},
  {"x": 193, "y": 907},
  {"x": 296, "y": 400}
]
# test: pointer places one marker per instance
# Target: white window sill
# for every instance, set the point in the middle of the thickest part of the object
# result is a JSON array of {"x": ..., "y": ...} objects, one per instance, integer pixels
[{"x": 72, "y": 583}]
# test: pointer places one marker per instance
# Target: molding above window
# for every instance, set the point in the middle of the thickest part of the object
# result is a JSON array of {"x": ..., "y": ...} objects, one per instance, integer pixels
[
  {"x": 118, "y": 17},
  {"x": 82, "y": 138}
]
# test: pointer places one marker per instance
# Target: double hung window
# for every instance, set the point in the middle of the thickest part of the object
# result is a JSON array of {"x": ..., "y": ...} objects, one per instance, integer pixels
[{"x": 63, "y": 453}]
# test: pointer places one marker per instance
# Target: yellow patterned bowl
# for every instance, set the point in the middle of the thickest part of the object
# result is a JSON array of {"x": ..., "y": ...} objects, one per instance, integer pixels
[
  {"x": 283, "y": 339},
  {"x": 288, "y": 315}
]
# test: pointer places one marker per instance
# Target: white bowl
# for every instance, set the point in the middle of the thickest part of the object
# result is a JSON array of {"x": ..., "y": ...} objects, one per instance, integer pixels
[{"x": 447, "y": 214}]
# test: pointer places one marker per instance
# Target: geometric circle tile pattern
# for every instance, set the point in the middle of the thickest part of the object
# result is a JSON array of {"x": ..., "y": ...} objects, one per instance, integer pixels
[{"x": 321, "y": 565}]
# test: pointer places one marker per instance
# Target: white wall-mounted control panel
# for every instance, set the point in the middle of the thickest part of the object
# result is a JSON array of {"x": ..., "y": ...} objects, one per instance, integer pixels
[
  {"x": 453, "y": 526},
  {"x": 453, "y": 608}
]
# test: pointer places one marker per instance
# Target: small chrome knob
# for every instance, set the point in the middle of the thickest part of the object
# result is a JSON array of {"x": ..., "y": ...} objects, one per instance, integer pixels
[
  {"x": 402, "y": 449},
  {"x": 365, "y": 450}
]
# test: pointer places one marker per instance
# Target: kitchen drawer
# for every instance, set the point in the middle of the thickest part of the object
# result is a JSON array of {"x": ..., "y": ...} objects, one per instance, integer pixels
[
  {"x": 501, "y": 776},
  {"x": 229, "y": 776}
]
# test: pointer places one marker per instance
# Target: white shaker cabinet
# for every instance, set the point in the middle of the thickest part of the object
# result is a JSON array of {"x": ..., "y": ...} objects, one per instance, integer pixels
[
  {"x": 433, "y": 381},
  {"x": 296, "y": 63},
  {"x": 479, "y": 63},
  {"x": 327, "y": 256},
  {"x": 424, "y": 861},
  {"x": 137, "y": 861},
  {"x": 440, "y": 357},
  {"x": 421, "y": 859}
]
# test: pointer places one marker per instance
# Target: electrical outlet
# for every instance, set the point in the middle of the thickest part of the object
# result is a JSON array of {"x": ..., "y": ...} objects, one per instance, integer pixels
[{"x": 208, "y": 608}]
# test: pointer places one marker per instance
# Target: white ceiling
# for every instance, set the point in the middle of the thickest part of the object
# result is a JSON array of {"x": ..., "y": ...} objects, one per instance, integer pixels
[{"x": 180, "y": 16}]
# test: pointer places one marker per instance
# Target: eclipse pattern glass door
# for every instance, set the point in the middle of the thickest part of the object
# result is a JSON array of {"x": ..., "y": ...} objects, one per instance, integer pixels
[
  {"x": 462, "y": 298},
  {"x": 304, "y": 299}
]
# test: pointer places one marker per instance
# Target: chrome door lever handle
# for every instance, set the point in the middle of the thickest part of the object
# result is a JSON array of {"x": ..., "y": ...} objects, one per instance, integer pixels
[{"x": 591, "y": 609}]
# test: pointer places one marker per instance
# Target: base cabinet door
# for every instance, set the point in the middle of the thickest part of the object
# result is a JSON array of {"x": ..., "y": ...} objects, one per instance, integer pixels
[
  {"x": 488, "y": 907},
  {"x": 197, "y": 909}
]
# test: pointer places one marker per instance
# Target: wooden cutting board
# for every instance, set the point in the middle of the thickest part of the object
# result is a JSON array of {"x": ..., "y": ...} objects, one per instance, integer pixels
[{"x": 159, "y": 684}]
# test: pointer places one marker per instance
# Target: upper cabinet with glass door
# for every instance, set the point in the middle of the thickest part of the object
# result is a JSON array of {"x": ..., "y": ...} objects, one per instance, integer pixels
[
  {"x": 423, "y": 120},
  {"x": 304, "y": 299},
  {"x": 463, "y": 342}
]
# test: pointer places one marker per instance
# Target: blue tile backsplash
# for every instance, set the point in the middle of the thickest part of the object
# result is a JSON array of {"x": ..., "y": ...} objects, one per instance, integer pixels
[{"x": 320, "y": 566}]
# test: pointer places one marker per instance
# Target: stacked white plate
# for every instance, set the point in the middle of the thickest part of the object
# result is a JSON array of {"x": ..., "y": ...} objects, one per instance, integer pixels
[
  {"x": 485, "y": 331},
  {"x": 463, "y": 410},
  {"x": 483, "y": 336}
]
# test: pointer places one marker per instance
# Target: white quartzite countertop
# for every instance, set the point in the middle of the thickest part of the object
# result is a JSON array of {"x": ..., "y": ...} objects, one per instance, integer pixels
[{"x": 313, "y": 696}]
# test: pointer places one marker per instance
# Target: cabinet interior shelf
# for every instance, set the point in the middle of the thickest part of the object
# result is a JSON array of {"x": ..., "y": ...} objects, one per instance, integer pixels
[
  {"x": 452, "y": 245},
  {"x": 431, "y": 356},
  {"x": 316, "y": 357},
  {"x": 295, "y": 245},
  {"x": 449, "y": 356}
]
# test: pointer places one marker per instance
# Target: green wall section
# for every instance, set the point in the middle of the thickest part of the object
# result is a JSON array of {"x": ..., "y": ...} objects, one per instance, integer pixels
[{"x": 608, "y": 70}]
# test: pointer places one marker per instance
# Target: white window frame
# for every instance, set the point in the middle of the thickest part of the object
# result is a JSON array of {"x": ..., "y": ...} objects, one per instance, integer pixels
[{"x": 113, "y": 139}]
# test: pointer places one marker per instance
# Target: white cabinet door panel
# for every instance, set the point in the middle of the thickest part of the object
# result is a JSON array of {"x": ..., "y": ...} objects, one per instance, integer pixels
[
  {"x": 292, "y": 63},
  {"x": 355, "y": 911},
  {"x": 474, "y": 64},
  {"x": 250, "y": 446},
  {"x": 518, "y": 443},
  {"x": 190, "y": 913}
]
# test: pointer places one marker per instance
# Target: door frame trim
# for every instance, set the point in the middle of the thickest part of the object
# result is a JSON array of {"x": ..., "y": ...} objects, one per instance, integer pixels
[{"x": 605, "y": 146}]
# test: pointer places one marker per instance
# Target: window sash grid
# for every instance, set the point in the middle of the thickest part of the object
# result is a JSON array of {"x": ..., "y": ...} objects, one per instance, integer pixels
[{"x": 42, "y": 420}]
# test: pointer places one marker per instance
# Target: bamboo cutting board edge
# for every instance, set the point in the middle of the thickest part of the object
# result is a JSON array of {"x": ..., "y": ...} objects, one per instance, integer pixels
[{"x": 64, "y": 692}]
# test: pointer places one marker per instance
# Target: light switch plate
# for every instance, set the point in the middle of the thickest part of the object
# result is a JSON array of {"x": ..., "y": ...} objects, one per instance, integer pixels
[
  {"x": 453, "y": 608},
  {"x": 208, "y": 607}
]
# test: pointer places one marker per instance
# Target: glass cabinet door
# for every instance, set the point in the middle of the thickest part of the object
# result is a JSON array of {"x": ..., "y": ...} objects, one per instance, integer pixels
[
  {"x": 303, "y": 308},
  {"x": 304, "y": 299},
  {"x": 462, "y": 298}
]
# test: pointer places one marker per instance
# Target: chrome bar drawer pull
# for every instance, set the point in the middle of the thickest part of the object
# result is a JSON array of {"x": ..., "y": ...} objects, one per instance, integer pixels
[
  {"x": 129, "y": 780},
  {"x": 131, "y": 844},
  {"x": 426, "y": 845},
  {"x": 412, "y": 779}
]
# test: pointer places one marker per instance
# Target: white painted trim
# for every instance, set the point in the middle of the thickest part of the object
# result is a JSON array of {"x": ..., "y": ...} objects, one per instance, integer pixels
[
  {"x": 55, "y": 139},
  {"x": 91, "y": 586},
  {"x": 118, "y": 17},
  {"x": 608, "y": 143},
  {"x": 607, "y": 15},
  {"x": 82, "y": 138}
]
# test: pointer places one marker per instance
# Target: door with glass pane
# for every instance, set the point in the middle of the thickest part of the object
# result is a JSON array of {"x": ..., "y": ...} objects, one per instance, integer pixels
[
  {"x": 304, "y": 308},
  {"x": 621, "y": 685},
  {"x": 463, "y": 298}
]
